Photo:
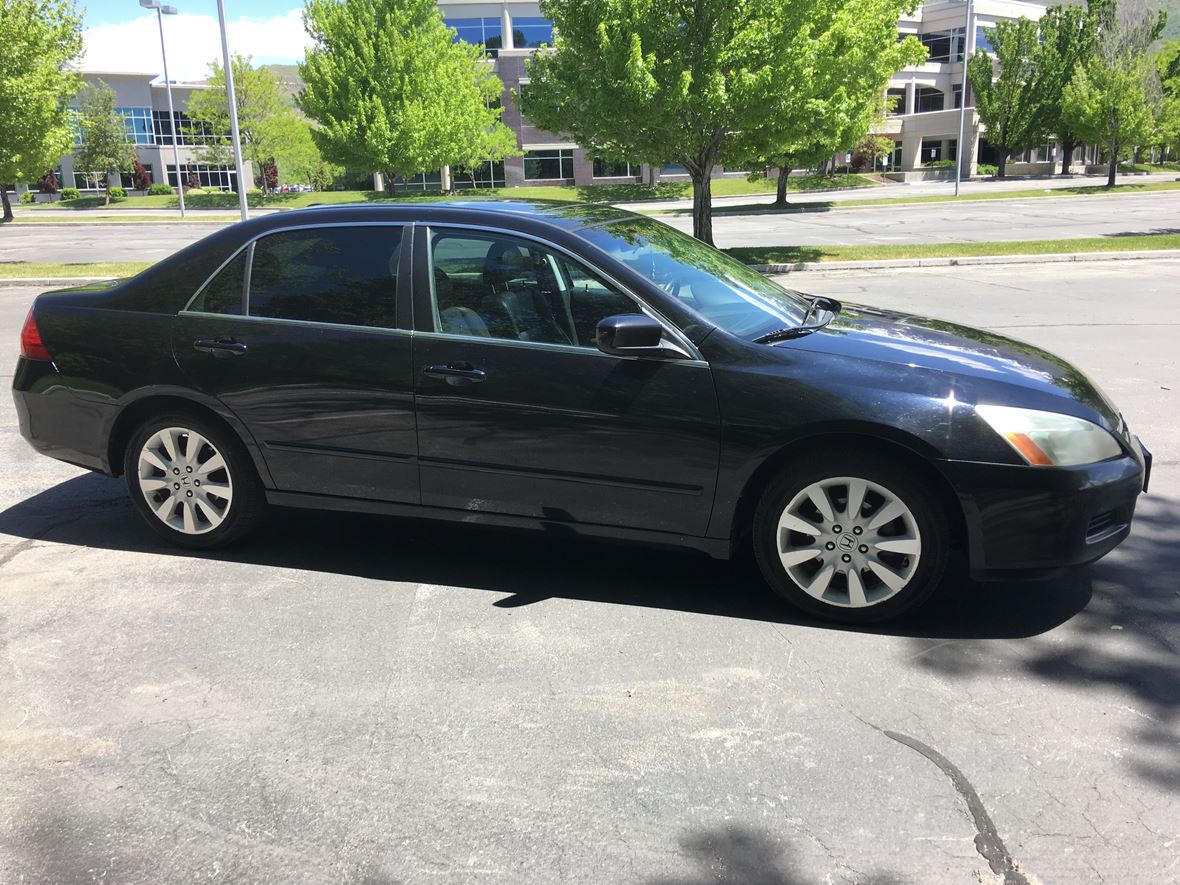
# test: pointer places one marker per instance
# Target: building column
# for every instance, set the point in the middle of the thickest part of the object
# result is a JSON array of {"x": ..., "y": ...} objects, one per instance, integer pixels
[
  {"x": 506, "y": 28},
  {"x": 911, "y": 149},
  {"x": 911, "y": 103}
]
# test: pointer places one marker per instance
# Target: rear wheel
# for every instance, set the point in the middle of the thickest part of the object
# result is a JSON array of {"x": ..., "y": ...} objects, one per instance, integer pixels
[
  {"x": 851, "y": 538},
  {"x": 192, "y": 481}
]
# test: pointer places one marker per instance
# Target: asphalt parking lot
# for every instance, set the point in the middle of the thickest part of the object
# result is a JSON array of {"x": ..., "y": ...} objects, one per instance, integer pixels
[{"x": 361, "y": 699}]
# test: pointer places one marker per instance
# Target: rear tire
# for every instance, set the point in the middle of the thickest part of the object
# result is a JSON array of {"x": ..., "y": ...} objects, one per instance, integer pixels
[
  {"x": 851, "y": 537},
  {"x": 192, "y": 481}
]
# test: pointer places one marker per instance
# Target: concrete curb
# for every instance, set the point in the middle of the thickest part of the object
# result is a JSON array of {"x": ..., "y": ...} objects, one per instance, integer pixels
[
  {"x": 968, "y": 260},
  {"x": 884, "y": 263}
]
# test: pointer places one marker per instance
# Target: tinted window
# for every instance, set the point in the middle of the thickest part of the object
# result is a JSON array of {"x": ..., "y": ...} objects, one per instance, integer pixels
[
  {"x": 224, "y": 292},
  {"x": 341, "y": 275},
  {"x": 490, "y": 286}
]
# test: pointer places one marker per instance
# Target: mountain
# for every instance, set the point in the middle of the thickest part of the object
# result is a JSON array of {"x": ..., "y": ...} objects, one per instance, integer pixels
[{"x": 291, "y": 83}]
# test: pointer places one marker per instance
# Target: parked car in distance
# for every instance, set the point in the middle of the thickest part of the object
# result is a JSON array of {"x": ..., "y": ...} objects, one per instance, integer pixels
[{"x": 579, "y": 369}]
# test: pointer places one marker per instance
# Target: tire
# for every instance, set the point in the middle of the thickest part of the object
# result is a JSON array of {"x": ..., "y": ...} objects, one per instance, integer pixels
[
  {"x": 816, "y": 568},
  {"x": 215, "y": 493}
]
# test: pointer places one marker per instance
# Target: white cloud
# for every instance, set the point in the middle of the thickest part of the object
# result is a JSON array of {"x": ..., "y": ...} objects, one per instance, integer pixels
[{"x": 193, "y": 41}]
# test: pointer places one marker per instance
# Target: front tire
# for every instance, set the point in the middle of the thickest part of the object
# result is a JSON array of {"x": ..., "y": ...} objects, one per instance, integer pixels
[
  {"x": 851, "y": 537},
  {"x": 192, "y": 481}
]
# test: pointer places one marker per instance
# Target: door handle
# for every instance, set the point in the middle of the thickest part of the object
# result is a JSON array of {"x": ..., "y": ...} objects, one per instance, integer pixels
[
  {"x": 456, "y": 373},
  {"x": 219, "y": 348}
]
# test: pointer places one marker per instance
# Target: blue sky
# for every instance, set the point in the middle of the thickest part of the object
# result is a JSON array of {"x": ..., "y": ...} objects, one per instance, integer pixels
[{"x": 122, "y": 36}]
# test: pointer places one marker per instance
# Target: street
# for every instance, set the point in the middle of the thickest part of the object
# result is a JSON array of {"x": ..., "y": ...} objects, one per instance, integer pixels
[
  {"x": 362, "y": 699},
  {"x": 1039, "y": 218}
]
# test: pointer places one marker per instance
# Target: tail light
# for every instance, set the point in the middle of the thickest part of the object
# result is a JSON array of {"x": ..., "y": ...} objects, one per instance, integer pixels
[{"x": 31, "y": 345}]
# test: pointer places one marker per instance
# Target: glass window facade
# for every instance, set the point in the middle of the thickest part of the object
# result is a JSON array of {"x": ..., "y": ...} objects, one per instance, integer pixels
[
  {"x": 549, "y": 164},
  {"x": 212, "y": 177},
  {"x": 673, "y": 169},
  {"x": 982, "y": 40},
  {"x": 486, "y": 32},
  {"x": 613, "y": 169},
  {"x": 928, "y": 99},
  {"x": 944, "y": 46},
  {"x": 931, "y": 150},
  {"x": 187, "y": 132},
  {"x": 138, "y": 122},
  {"x": 897, "y": 102},
  {"x": 127, "y": 180},
  {"x": 530, "y": 32},
  {"x": 957, "y": 94}
]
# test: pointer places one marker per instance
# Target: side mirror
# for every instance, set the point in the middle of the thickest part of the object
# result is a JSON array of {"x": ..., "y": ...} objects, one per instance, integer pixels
[{"x": 632, "y": 334}]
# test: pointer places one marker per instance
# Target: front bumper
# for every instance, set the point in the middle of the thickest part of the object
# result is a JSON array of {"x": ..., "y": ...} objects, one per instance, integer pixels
[{"x": 1026, "y": 521}]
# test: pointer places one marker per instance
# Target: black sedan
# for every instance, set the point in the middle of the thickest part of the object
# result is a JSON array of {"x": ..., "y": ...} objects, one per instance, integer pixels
[{"x": 582, "y": 371}]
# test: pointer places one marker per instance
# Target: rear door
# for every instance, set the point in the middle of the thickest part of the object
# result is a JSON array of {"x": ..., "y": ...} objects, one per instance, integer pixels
[
  {"x": 298, "y": 336},
  {"x": 518, "y": 411}
]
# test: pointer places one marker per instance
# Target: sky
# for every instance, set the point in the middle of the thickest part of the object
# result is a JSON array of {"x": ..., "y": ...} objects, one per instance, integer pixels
[{"x": 122, "y": 36}]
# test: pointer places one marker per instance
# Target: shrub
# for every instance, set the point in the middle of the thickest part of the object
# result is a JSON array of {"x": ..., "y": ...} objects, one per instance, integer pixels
[
  {"x": 940, "y": 164},
  {"x": 27, "y": 197},
  {"x": 117, "y": 194},
  {"x": 159, "y": 189},
  {"x": 48, "y": 183},
  {"x": 140, "y": 177},
  {"x": 986, "y": 169},
  {"x": 70, "y": 193}
]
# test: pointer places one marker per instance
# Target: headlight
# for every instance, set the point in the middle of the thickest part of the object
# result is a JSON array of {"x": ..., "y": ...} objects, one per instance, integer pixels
[{"x": 1048, "y": 439}]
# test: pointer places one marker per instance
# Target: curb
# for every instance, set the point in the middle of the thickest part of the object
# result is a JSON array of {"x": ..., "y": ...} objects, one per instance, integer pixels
[{"x": 969, "y": 260}]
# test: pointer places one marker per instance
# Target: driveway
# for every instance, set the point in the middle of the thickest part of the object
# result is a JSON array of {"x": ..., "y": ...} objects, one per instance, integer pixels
[{"x": 363, "y": 699}]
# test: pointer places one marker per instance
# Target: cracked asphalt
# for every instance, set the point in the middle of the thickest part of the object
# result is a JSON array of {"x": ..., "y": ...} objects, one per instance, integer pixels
[{"x": 361, "y": 699}]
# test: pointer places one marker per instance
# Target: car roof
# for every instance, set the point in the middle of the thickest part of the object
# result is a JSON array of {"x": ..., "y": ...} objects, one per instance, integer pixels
[{"x": 516, "y": 213}]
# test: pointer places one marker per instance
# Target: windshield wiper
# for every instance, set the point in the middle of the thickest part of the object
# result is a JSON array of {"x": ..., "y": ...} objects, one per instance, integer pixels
[{"x": 817, "y": 301}]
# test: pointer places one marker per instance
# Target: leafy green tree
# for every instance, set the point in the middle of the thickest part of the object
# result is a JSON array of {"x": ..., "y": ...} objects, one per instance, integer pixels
[
  {"x": 300, "y": 160},
  {"x": 1167, "y": 62},
  {"x": 105, "y": 149},
  {"x": 714, "y": 81},
  {"x": 393, "y": 93},
  {"x": 1069, "y": 36},
  {"x": 1005, "y": 101},
  {"x": 269, "y": 127},
  {"x": 39, "y": 39},
  {"x": 1109, "y": 100}
]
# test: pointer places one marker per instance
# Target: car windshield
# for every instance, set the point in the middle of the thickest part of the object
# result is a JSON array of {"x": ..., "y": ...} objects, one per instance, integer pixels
[{"x": 719, "y": 287}]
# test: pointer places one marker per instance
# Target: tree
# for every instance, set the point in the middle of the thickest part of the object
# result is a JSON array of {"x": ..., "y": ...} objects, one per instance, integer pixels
[
  {"x": 39, "y": 40},
  {"x": 714, "y": 81},
  {"x": 140, "y": 177},
  {"x": 105, "y": 149},
  {"x": 1005, "y": 102},
  {"x": 1108, "y": 101},
  {"x": 391, "y": 91},
  {"x": 268, "y": 126},
  {"x": 873, "y": 147},
  {"x": 1167, "y": 64},
  {"x": 1069, "y": 35}
]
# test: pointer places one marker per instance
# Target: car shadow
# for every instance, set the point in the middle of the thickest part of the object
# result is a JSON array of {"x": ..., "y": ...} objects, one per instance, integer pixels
[{"x": 523, "y": 568}]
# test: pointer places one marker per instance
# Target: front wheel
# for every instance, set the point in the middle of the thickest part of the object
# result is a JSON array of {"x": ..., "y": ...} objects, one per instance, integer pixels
[
  {"x": 192, "y": 481},
  {"x": 850, "y": 538}
]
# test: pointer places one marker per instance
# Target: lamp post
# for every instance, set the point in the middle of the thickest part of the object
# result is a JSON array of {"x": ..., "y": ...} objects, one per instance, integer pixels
[
  {"x": 233, "y": 110},
  {"x": 162, "y": 11},
  {"x": 960, "y": 153}
]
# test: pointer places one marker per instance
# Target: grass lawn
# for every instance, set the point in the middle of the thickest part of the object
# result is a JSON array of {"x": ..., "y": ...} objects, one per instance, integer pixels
[
  {"x": 1092, "y": 190},
  {"x": 795, "y": 254},
  {"x": 69, "y": 218},
  {"x": 606, "y": 193},
  {"x": 748, "y": 254}
]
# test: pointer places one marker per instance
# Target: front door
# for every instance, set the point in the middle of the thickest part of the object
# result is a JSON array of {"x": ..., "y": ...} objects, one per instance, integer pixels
[
  {"x": 298, "y": 337},
  {"x": 519, "y": 413}
]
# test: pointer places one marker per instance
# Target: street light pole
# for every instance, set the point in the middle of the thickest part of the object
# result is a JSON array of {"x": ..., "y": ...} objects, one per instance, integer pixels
[
  {"x": 233, "y": 110},
  {"x": 960, "y": 153},
  {"x": 162, "y": 11}
]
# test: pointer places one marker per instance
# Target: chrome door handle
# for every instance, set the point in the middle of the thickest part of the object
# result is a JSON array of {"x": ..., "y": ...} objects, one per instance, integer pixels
[
  {"x": 456, "y": 373},
  {"x": 219, "y": 348}
]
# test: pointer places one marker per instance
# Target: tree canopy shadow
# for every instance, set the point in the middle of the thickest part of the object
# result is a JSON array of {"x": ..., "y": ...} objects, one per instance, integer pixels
[{"x": 527, "y": 567}]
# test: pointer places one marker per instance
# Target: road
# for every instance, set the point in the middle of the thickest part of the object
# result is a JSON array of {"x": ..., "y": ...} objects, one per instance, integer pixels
[
  {"x": 360, "y": 699},
  {"x": 1039, "y": 218}
]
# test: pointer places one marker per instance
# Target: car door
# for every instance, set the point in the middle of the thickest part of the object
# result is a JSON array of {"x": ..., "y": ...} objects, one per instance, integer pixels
[
  {"x": 297, "y": 335},
  {"x": 519, "y": 413}
]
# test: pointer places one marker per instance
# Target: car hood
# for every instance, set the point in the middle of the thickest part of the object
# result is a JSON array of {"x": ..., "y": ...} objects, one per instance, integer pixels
[{"x": 965, "y": 352}]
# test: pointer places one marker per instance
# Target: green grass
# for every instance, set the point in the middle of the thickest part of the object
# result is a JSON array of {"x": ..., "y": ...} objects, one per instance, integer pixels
[
  {"x": 23, "y": 270},
  {"x": 605, "y": 193},
  {"x": 1092, "y": 190},
  {"x": 795, "y": 254},
  {"x": 67, "y": 218}
]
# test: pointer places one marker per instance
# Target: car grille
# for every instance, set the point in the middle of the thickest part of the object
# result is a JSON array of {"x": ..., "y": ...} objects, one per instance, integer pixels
[{"x": 1102, "y": 526}]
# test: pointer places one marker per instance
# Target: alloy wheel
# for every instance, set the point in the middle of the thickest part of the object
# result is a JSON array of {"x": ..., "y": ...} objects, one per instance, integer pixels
[
  {"x": 185, "y": 480},
  {"x": 848, "y": 542}
]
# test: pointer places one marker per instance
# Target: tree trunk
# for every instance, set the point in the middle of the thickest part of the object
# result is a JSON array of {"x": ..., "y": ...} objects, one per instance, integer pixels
[
  {"x": 1113, "y": 166},
  {"x": 780, "y": 194},
  {"x": 1003, "y": 162},
  {"x": 702, "y": 204},
  {"x": 387, "y": 179},
  {"x": 1066, "y": 156},
  {"x": 7, "y": 205},
  {"x": 106, "y": 196}
]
